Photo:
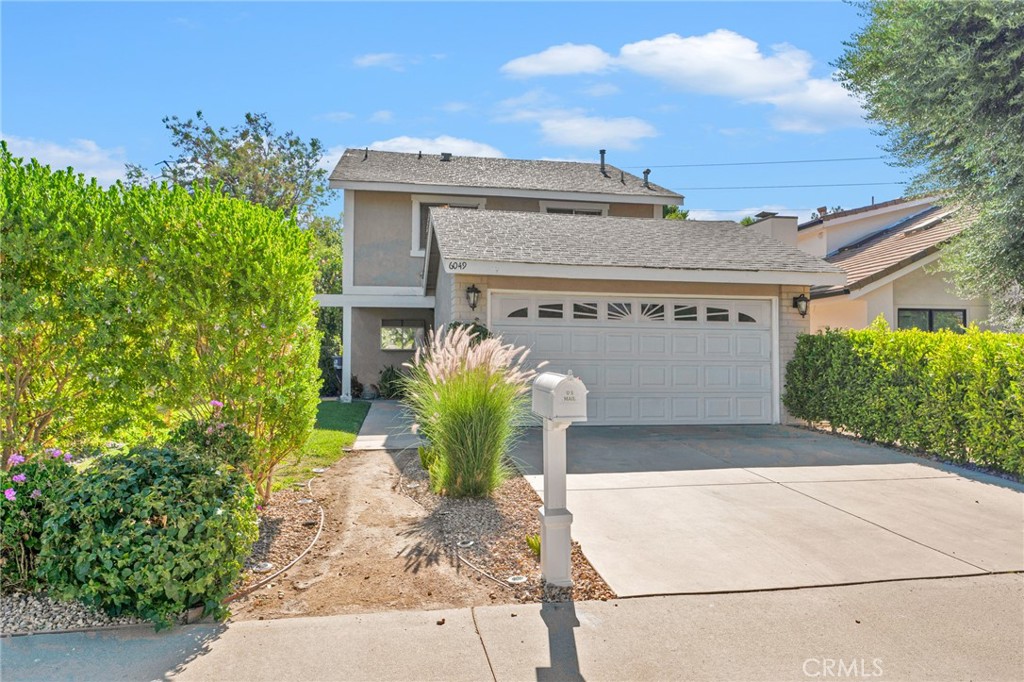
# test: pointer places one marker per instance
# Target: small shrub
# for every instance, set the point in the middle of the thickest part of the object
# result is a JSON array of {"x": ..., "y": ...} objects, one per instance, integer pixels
[
  {"x": 533, "y": 542},
  {"x": 151, "y": 532},
  {"x": 469, "y": 399},
  {"x": 26, "y": 487},
  {"x": 216, "y": 438},
  {"x": 477, "y": 330},
  {"x": 391, "y": 384}
]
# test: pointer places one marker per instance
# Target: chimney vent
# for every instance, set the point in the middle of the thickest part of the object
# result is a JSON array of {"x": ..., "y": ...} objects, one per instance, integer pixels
[
  {"x": 446, "y": 156},
  {"x": 622, "y": 177},
  {"x": 603, "y": 171},
  {"x": 647, "y": 178},
  {"x": 420, "y": 155},
  {"x": 822, "y": 211},
  {"x": 366, "y": 154}
]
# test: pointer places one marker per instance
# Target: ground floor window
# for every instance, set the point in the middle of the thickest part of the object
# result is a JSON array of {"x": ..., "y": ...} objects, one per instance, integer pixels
[
  {"x": 401, "y": 334},
  {"x": 931, "y": 319}
]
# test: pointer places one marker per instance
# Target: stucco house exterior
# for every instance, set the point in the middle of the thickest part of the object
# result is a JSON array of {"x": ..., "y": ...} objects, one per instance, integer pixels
[
  {"x": 888, "y": 252},
  {"x": 665, "y": 321}
]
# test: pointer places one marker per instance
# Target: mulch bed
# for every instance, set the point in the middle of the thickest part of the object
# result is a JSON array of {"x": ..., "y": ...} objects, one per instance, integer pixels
[{"x": 287, "y": 526}]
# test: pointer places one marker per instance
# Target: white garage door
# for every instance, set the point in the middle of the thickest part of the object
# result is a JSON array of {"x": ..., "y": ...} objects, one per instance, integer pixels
[{"x": 651, "y": 360}]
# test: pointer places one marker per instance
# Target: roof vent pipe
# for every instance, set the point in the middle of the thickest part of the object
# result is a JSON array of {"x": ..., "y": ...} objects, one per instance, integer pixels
[
  {"x": 647, "y": 176},
  {"x": 603, "y": 171},
  {"x": 622, "y": 177},
  {"x": 822, "y": 211},
  {"x": 420, "y": 157},
  {"x": 366, "y": 154},
  {"x": 446, "y": 156}
]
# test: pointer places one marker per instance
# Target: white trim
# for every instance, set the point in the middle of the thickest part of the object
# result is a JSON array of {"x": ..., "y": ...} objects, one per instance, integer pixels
[
  {"x": 659, "y": 199},
  {"x": 776, "y": 363},
  {"x": 417, "y": 250},
  {"x": 856, "y": 293},
  {"x": 363, "y": 301},
  {"x": 370, "y": 290},
  {"x": 348, "y": 238},
  {"x": 346, "y": 355},
  {"x": 457, "y": 266},
  {"x": 545, "y": 205}
]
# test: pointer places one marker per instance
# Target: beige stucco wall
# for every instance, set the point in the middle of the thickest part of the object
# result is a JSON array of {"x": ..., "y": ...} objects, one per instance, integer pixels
[
  {"x": 820, "y": 242},
  {"x": 837, "y": 313},
  {"x": 634, "y": 210},
  {"x": 791, "y": 324},
  {"x": 367, "y": 357},
  {"x": 382, "y": 240},
  {"x": 925, "y": 288}
]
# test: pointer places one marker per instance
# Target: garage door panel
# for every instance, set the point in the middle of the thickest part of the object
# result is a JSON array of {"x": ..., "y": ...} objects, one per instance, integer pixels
[{"x": 695, "y": 361}]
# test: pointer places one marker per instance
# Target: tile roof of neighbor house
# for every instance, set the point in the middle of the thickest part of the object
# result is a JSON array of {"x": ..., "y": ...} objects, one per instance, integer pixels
[
  {"x": 358, "y": 165},
  {"x": 575, "y": 240},
  {"x": 889, "y": 250},
  {"x": 854, "y": 211}
]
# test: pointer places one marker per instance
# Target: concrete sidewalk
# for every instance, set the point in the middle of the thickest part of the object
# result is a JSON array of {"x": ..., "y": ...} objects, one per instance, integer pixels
[
  {"x": 948, "y": 629},
  {"x": 386, "y": 427}
]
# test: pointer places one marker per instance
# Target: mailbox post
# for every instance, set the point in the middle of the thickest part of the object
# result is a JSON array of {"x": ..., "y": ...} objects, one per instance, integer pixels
[{"x": 560, "y": 400}]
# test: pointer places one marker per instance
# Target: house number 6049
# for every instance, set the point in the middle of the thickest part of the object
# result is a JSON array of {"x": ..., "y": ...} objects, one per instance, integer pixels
[{"x": 456, "y": 265}]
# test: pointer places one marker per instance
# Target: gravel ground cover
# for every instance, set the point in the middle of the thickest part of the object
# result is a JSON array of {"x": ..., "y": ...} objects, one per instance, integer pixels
[{"x": 24, "y": 612}]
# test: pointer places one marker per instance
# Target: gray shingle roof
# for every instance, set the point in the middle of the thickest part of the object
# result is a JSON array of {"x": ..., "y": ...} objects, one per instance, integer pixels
[
  {"x": 485, "y": 172},
  {"x": 517, "y": 237}
]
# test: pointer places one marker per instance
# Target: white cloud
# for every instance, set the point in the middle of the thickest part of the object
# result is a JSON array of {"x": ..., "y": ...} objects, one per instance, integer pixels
[
  {"x": 601, "y": 90},
  {"x": 596, "y": 131},
  {"x": 721, "y": 63},
  {"x": 435, "y": 145},
  {"x": 382, "y": 116},
  {"x": 337, "y": 116},
  {"x": 388, "y": 60},
  {"x": 85, "y": 156},
  {"x": 560, "y": 60},
  {"x": 454, "y": 107}
]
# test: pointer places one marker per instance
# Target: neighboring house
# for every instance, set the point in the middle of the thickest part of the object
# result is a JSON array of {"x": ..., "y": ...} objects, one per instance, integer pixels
[
  {"x": 888, "y": 252},
  {"x": 665, "y": 321}
]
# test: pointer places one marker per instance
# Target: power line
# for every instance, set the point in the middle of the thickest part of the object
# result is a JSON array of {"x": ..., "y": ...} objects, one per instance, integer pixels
[
  {"x": 761, "y": 163},
  {"x": 841, "y": 184}
]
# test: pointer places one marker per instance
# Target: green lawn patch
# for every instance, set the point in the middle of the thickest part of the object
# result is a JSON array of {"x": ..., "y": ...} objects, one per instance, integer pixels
[{"x": 336, "y": 427}]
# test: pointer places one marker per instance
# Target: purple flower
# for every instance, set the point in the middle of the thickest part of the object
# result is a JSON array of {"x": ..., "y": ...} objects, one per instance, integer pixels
[
  {"x": 18, "y": 478},
  {"x": 10, "y": 494},
  {"x": 217, "y": 404},
  {"x": 15, "y": 460},
  {"x": 54, "y": 452},
  {"x": 67, "y": 456},
  {"x": 36, "y": 493}
]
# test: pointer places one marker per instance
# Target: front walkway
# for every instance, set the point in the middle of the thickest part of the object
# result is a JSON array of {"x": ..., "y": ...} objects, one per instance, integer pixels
[
  {"x": 386, "y": 427},
  {"x": 692, "y": 509},
  {"x": 952, "y": 629}
]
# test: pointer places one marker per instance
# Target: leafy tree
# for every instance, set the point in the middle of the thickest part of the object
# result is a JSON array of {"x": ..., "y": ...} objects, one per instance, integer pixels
[
  {"x": 252, "y": 161},
  {"x": 675, "y": 213},
  {"x": 747, "y": 221},
  {"x": 943, "y": 79}
]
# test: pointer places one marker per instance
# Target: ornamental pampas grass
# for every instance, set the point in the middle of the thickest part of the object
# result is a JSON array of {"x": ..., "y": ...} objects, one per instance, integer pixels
[{"x": 468, "y": 397}]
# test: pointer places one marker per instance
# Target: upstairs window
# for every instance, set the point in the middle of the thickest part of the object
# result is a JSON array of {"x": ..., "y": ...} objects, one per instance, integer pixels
[
  {"x": 421, "y": 205},
  {"x": 573, "y": 208}
]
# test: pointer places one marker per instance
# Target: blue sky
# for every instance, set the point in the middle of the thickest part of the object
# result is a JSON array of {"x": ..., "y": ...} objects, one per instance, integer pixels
[{"x": 658, "y": 85}]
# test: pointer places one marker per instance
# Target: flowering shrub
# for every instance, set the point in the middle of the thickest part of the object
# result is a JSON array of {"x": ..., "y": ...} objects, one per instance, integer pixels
[
  {"x": 216, "y": 438},
  {"x": 26, "y": 486},
  {"x": 152, "y": 532},
  {"x": 469, "y": 398}
]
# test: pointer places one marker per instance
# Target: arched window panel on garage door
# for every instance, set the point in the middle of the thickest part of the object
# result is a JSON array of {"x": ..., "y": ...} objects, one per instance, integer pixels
[{"x": 514, "y": 308}]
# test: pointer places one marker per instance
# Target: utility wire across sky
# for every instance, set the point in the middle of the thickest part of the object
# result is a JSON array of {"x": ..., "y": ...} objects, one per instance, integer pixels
[{"x": 761, "y": 163}]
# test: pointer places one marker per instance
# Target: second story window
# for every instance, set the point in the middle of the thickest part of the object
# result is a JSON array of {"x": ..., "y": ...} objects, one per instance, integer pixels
[
  {"x": 421, "y": 205},
  {"x": 573, "y": 208}
]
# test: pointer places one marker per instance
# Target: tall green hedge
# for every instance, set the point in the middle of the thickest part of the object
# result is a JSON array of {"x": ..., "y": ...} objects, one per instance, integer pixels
[
  {"x": 131, "y": 308},
  {"x": 956, "y": 395}
]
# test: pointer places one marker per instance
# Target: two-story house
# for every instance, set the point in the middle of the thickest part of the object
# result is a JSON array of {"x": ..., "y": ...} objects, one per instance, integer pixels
[
  {"x": 889, "y": 252},
  {"x": 665, "y": 321}
]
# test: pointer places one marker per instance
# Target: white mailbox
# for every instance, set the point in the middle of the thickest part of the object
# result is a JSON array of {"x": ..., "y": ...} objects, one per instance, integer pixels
[{"x": 561, "y": 397}]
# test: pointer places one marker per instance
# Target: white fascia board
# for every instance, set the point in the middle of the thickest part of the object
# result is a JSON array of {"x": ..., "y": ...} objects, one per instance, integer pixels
[
  {"x": 452, "y": 190},
  {"x": 856, "y": 293},
  {"x": 372, "y": 301},
  {"x": 469, "y": 267}
]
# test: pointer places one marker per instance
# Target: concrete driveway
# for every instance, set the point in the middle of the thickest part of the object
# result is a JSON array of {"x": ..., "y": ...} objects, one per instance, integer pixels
[{"x": 690, "y": 509}]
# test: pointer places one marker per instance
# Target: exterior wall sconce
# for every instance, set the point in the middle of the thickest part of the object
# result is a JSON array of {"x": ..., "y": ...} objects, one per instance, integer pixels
[
  {"x": 472, "y": 296},
  {"x": 800, "y": 303}
]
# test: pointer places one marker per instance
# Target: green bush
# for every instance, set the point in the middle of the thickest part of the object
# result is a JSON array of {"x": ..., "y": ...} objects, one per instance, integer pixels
[
  {"x": 469, "y": 400},
  {"x": 479, "y": 331},
  {"x": 956, "y": 395},
  {"x": 151, "y": 532},
  {"x": 391, "y": 384},
  {"x": 125, "y": 309},
  {"x": 26, "y": 486},
  {"x": 215, "y": 438}
]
